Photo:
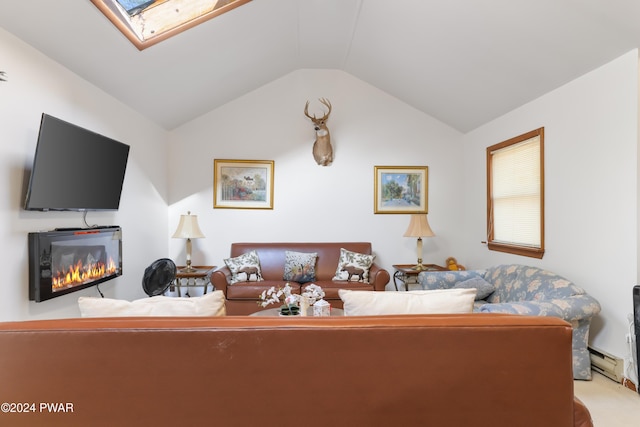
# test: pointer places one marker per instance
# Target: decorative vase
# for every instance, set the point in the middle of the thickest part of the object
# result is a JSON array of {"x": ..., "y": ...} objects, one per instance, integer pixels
[
  {"x": 293, "y": 310},
  {"x": 305, "y": 303}
]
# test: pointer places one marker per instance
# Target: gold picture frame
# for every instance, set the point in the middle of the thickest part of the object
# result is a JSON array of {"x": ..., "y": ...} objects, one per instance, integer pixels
[
  {"x": 401, "y": 189},
  {"x": 243, "y": 184}
]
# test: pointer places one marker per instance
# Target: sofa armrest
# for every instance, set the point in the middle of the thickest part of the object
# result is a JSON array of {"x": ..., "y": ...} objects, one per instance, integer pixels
[
  {"x": 378, "y": 277},
  {"x": 220, "y": 279},
  {"x": 429, "y": 280},
  {"x": 573, "y": 308},
  {"x": 581, "y": 415}
]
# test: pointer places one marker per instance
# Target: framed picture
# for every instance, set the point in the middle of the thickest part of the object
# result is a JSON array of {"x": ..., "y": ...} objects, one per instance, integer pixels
[
  {"x": 243, "y": 184},
  {"x": 400, "y": 189}
]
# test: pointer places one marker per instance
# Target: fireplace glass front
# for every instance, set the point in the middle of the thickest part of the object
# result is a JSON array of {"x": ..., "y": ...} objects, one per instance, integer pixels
[{"x": 65, "y": 261}]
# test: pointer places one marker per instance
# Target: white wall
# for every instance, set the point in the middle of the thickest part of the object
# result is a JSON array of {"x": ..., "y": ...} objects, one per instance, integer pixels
[
  {"x": 314, "y": 203},
  {"x": 591, "y": 137},
  {"x": 36, "y": 85}
]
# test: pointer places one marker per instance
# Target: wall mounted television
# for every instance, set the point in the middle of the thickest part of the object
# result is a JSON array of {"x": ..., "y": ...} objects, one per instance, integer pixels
[{"x": 75, "y": 169}]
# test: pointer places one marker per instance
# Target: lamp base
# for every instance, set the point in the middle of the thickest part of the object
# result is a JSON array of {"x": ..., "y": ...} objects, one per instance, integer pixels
[
  {"x": 188, "y": 268},
  {"x": 419, "y": 267}
]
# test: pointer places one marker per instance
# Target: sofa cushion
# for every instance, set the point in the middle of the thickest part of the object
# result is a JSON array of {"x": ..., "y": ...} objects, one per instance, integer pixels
[
  {"x": 244, "y": 268},
  {"x": 353, "y": 266},
  {"x": 300, "y": 266},
  {"x": 484, "y": 288},
  {"x": 210, "y": 304},
  {"x": 251, "y": 290},
  {"x": 441, "y": 301},
  {"x": 331, "y": 287}
]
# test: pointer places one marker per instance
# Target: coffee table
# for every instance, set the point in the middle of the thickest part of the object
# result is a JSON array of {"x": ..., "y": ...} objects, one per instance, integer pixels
[{"x": 275, "y": 312}]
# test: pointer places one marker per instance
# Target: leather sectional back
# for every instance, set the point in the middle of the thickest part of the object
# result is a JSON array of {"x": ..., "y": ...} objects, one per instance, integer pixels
[{"x": 272, "y": 255}]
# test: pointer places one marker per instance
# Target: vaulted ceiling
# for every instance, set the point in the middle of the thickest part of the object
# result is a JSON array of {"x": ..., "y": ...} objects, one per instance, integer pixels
[{"x": 464, "y": 62}]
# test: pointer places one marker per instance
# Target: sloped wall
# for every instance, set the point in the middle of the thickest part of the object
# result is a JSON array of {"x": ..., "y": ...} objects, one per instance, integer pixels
[
  {"x": 36, "y": 85},
  {"x": 314, "y": 203}
]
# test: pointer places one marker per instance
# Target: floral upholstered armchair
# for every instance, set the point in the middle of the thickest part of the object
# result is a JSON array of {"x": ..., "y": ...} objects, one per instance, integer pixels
[{"x": 519, "y": 289}]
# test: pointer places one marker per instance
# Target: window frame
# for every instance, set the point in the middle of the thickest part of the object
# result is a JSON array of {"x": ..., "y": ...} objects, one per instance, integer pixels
[
  {"x": 186, "y": 15},
  {"x": 512, "y": 248}
]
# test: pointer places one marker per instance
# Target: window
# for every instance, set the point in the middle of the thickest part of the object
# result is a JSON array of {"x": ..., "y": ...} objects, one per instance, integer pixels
[
  {"x": 515, "y": 195},
  {"x": 147, "y": 22}
]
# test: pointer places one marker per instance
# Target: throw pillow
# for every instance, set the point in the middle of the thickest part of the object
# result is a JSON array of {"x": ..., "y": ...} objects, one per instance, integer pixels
[
  {"x": 484, "y": 288},
  {"x": 353, "y": 266},
  {"x": 210, "y": 304},
  {"x": 300, "y": 266},
  {"x": 440, "y": 301},
  {"x": 245, "y": 268}
]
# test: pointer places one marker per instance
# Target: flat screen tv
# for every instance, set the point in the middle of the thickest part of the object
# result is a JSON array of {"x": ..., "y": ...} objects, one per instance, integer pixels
[{"x": 75, "y": 169}]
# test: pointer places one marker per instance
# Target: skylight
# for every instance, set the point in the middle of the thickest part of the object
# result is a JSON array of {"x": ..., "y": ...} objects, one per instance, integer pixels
[{"x": 147, "y": 22}]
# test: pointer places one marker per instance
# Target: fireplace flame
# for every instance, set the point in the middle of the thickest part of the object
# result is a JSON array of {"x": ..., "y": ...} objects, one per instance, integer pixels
[{"x": 78, "y": 274}]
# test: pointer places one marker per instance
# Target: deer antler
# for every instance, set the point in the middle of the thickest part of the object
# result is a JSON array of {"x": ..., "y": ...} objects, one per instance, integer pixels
[
  {"x": 306, "y": 111},
  {"x": 322, "y": 119},
  {"x": 326, "y": 102}
]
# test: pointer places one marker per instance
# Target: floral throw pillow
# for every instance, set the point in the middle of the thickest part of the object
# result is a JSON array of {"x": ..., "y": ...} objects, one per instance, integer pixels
[
  {"x": 300, "y": 266},
  {"x": 353, "y": 266},
  {"x": 245, "y": 268}
]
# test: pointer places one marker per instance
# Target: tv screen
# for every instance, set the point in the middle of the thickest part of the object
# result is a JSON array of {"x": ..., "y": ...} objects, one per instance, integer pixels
[{"x": 75, "y": 169}]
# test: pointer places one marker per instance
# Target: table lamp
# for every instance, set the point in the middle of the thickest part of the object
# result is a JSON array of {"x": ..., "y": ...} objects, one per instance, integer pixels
[
  {"x": 419, "y": 227},
  {"x": 188, "y": 229}
]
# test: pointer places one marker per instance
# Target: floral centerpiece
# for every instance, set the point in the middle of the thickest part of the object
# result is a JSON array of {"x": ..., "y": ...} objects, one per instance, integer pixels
[
  {"x": 310, "y": 296},
  {"x": 284, "y": 295},
  {"x": 314, "y": 293}
]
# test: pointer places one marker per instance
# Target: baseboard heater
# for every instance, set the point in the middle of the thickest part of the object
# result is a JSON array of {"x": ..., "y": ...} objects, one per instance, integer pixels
[{"x": 607, "y": 364}]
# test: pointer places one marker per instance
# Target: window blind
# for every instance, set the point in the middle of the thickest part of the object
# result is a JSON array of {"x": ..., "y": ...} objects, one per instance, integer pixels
[{"x": 516, "y": 194}]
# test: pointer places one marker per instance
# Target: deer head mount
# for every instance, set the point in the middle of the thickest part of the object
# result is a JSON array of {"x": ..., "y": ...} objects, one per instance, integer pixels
[{"x": 322, "y": 149}]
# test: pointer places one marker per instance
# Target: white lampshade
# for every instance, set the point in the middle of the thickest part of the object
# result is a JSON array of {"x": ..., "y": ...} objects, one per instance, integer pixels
[
  {"x": 419, "y": 227},
  {"x": 188, "y": 228}
]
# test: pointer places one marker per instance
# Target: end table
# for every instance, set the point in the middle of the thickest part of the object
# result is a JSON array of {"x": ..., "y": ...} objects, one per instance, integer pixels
[
  {"x": 199, "y": 277},
  {"x": 406, "y": 273}
]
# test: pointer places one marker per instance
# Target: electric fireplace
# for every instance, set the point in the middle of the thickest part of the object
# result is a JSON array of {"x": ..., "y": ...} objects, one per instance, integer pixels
[{"x": 65, "y": 261}]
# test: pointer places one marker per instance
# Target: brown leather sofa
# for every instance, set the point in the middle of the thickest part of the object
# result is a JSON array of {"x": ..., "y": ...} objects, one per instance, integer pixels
[
  {"x": 243, "y": 297},
  {"x": 423, "y": 370}
]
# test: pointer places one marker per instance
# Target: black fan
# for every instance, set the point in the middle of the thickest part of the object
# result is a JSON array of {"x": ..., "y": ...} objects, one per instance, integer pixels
[{"x": 158, "y": 277}]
